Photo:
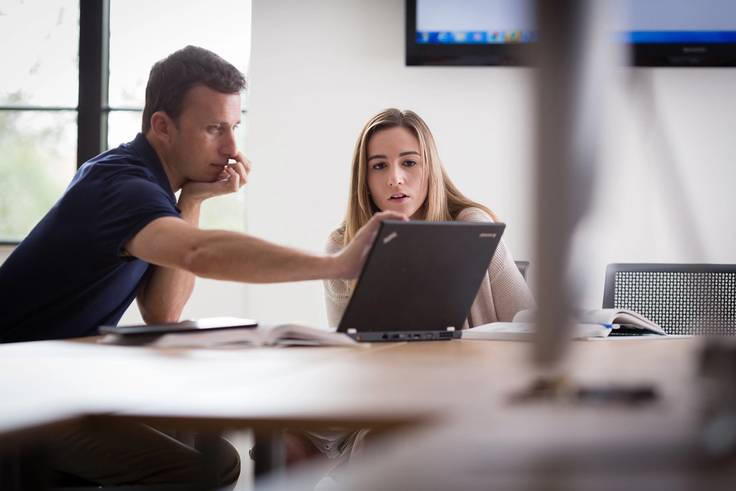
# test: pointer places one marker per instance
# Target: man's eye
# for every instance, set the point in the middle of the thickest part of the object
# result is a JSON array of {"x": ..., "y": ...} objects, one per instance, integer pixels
[{"x": 213, "y": 129}]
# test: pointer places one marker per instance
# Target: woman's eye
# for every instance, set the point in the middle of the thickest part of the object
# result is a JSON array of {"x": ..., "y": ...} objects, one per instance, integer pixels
[
  {"x": 378, "y": 166},
  {"x": 409, "y": 163}
]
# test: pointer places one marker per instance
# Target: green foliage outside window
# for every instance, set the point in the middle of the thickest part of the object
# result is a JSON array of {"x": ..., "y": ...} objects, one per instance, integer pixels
[{"x": 34, "y": 167}]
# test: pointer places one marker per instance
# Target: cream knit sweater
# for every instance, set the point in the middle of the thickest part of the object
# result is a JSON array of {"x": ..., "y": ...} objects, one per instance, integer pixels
[{"x": 503, "y": 291}]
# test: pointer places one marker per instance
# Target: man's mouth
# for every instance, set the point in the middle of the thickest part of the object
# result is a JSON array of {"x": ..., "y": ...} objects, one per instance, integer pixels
[{"x": 397, "y": 196}]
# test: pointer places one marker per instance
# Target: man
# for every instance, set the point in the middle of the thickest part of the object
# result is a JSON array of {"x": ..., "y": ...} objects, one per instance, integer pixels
[{"x": 119, "y": 233}]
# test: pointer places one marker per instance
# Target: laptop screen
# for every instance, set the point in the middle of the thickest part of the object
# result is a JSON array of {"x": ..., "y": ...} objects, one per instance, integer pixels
[{"x": 420, "y": 279}]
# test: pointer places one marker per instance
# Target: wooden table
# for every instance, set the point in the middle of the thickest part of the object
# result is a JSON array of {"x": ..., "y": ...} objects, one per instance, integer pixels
[
  {"x": 454, "y": 387},
  {"x": 391, "y": 383}
]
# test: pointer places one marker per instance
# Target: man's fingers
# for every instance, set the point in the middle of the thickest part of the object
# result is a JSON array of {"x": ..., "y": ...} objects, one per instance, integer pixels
[
  {"x": 357, "y": 251},
  {"x": 243, "y": 167},
  {"x": 240, "y": 157},
  {"x": 384, "y": 215},
  {"x": 242, "y": 172},
  {"x": 371, "y": 228},
  {"x": 234, "y": 182}
]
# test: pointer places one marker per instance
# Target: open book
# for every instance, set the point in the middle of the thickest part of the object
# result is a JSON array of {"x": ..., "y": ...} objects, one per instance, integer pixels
[
  {"x": 594, "y": 323},
  {"x": 264, "y": 335}
]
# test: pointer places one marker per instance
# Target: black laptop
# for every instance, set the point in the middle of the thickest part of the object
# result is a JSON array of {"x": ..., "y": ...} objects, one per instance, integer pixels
[{"x": 419, "y": 280}]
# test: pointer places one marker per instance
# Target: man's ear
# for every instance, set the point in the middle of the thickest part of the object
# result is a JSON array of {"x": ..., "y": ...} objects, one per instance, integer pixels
[{"x": 162, "y": 126}]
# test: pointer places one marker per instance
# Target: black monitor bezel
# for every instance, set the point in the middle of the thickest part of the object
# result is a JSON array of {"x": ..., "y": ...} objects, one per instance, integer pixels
[{"x": 683, "y": 55}]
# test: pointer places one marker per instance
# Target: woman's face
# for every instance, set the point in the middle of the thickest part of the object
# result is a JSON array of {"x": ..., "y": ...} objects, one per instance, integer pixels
[{"x": 397, "y": 178}]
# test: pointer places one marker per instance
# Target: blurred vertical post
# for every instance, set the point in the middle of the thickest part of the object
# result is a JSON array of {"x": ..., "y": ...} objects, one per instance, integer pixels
[{"x": 573, "y": 50}]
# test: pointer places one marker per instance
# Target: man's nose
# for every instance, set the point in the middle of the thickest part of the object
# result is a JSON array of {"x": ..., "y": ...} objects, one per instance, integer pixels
[{"x": 230, "y": 143}]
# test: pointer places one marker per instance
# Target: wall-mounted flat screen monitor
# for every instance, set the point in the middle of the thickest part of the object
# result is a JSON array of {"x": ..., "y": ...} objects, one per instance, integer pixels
[{"x": 502, "y": 32}]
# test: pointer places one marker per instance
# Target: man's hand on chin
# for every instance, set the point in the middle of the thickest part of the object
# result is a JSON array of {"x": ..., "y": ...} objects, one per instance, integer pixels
[{"x": 231, "y": 179}]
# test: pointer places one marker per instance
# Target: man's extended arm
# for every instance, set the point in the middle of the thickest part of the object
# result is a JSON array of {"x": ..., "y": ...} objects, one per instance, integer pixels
[{"x": 173, "y": 243}]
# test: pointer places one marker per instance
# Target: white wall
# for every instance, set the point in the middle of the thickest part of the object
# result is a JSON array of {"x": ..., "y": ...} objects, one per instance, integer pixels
[
  {"x": 320, "y": 69},
  {"x": 665, "y": 192}
]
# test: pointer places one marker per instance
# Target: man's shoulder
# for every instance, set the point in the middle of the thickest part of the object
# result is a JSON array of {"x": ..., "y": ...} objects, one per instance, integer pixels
[
  {"x": 117, "y": 172},
  {"x": 114, "y": 185},
  {"x": 120, "y": 161}
]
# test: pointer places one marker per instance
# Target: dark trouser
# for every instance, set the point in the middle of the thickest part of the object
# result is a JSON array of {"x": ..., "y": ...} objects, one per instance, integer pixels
[{"x": 117, "y": 453}]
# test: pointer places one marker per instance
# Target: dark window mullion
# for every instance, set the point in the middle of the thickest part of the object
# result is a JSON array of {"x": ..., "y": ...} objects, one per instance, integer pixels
[{"x": 94, "y": 52}]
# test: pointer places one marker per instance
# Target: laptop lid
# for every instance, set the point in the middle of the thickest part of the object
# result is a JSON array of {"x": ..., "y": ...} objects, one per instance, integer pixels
[{"x": 419, "y": 280}]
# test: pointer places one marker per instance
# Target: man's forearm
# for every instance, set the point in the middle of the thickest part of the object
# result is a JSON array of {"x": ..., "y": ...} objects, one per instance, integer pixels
[
  {"x": 237, "y": 257},
  {"x": 233, "y": 256}
]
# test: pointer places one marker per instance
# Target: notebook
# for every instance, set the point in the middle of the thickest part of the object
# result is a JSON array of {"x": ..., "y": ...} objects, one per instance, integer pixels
[{"x": 419, "y": 280}]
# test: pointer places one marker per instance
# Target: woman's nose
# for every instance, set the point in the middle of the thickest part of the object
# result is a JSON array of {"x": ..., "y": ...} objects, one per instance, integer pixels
[{"x": 396, "y": 178}]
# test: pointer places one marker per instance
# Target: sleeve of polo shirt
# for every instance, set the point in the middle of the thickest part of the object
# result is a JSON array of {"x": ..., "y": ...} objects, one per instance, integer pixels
[{"x": 130, "y": 203}]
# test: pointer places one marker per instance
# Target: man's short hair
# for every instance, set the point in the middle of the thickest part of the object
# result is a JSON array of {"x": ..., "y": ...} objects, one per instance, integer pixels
[{"x": 172, "y": 77}]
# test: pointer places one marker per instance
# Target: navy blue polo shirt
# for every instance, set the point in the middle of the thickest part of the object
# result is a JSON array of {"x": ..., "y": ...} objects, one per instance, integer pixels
[{"x": 71, "y": 274}]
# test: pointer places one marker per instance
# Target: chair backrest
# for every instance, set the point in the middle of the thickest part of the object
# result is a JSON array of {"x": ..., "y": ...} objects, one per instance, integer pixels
[
  {"x": 681, "y": 298},
  {"x": 523, "y": 266}
]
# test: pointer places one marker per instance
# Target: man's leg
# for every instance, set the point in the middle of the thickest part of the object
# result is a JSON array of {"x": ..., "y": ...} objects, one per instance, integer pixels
[{"x": 115, "y": 453}]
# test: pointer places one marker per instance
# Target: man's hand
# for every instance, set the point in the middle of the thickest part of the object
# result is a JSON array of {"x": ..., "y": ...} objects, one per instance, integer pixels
[
  {"x": 350, "y": 260},
  {"x": 230, "y": 180}
]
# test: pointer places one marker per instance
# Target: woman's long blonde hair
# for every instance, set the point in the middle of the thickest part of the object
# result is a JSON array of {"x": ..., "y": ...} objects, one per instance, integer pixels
[{"x": 444, "y": 201}]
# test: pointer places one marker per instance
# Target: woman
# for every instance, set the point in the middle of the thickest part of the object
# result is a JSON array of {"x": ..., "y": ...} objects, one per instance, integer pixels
[{"x": 396, "y": 167}]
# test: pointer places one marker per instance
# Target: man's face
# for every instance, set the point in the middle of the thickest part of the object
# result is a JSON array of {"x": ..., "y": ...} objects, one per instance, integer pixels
[{"x": 204, "y": 137}]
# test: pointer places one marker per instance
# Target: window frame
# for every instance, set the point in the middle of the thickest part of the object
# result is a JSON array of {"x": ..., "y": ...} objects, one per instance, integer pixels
[
  {"x": 92, "y": 97},
  {"x": 94, "y": 75},
  {"x": 93, "y": 106},
  {"x": 94, "y": 21}
]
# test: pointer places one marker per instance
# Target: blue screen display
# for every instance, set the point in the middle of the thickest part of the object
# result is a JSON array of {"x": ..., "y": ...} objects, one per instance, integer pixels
[{"x": 637, "y": 21}]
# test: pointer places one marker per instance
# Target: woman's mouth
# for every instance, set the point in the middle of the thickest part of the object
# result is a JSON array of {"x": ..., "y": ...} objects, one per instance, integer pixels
[{"x": 398, "y": 197}]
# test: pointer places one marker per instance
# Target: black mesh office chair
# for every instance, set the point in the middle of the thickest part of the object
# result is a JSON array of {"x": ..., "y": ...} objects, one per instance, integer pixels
[{"x": 682, "y": 298}]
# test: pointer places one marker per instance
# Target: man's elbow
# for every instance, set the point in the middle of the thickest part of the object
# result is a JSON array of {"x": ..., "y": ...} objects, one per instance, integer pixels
[
  {"x": 152, "y": 318},
  {"x": 158, "y": 312}
]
